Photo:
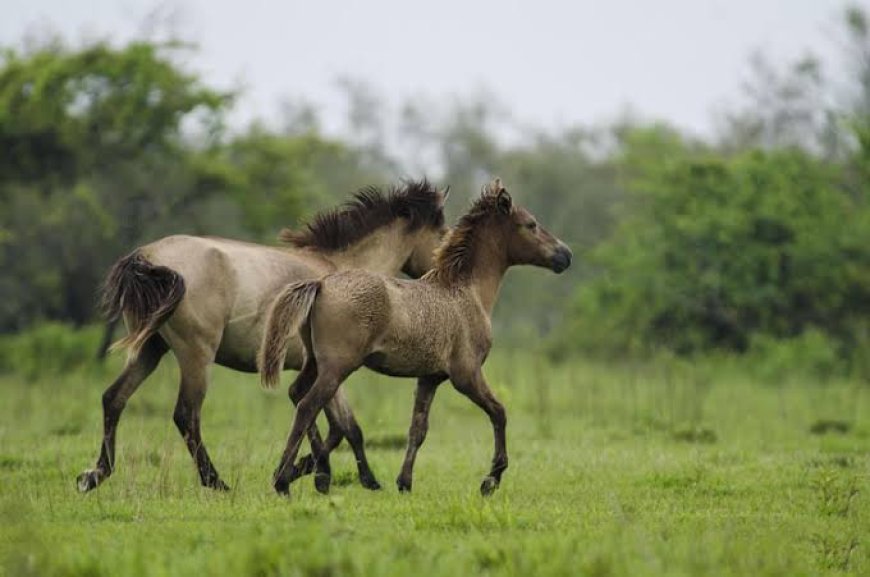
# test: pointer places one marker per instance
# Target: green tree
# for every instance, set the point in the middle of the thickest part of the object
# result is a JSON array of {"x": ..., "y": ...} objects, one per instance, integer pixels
[
  {"x": 713, "y": 251},
  {"x": 97, "y": 144}
]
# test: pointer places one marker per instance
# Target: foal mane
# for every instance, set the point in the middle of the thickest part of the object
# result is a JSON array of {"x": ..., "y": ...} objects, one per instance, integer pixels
[
  {"x": 370, "y": 208},
  {"x": 454, "y": 258}
]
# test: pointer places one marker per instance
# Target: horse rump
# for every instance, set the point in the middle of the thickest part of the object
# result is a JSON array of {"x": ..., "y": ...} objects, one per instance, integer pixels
[{"x": 145, "y": 294}]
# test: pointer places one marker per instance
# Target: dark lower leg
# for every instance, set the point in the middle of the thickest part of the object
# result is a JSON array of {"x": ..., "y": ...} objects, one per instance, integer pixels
[
  {"x": 114, "y": 400},
  {"x": 318, "y": 461},
  {"x": 355, "y": 439},
  {"x": 187, "y": 419},
  {"x": 499, "y": 460},
  {"x": 305, "y": 464},
  {"x": 306, "y": 412},
  {"x": 423, "y": 397},
  {"x": 481, "y": 395}
]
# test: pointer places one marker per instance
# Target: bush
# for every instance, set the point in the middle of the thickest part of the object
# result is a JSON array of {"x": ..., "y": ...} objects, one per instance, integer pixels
[
  {"x": 811, "y": 353},
  {"x": 714, "y": 252},
  {"x": 49, "y": 349}
]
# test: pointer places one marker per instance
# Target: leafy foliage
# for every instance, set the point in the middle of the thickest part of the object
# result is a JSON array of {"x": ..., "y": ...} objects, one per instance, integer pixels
[{"x": 714, "y": 250}]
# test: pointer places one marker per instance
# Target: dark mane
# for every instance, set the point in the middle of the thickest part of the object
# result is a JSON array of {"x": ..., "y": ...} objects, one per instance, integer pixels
[
  {"x": 370, "y": 208},
  {"x": 455, "y": 257}
]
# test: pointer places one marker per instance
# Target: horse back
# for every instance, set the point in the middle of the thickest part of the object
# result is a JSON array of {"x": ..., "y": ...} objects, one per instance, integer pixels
[{"x": 229, "y": 288}]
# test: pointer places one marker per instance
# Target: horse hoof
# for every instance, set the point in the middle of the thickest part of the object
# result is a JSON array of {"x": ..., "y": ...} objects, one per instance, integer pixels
[
  {"x": 218, "y": 485},
  {"x": 404, "y": 486},
  {"x": 305, "y": 465},
  {"x": 282, "y": 487},
  {"x": 89, "y": 480},
  {"x": 370, "y": 483},
  {"x": 488, "y": 487},
  {"x": 322, "y": 482}
]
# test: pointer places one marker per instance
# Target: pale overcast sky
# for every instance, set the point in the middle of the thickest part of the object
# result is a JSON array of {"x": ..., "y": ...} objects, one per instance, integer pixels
[{"x": 552, "y": 63}]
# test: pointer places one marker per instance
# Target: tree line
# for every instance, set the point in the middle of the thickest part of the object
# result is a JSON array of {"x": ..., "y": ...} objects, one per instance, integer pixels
[{"x": 761, "y": 231}]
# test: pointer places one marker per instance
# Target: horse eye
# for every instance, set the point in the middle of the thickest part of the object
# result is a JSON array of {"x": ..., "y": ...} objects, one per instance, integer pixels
[{"x": 532, "y": 225}]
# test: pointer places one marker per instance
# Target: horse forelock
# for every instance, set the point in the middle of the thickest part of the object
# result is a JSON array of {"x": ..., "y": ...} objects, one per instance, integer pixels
[{"x": 370, "y": 208}]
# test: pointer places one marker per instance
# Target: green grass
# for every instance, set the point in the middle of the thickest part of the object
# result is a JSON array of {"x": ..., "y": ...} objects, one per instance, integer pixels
[{"x": 667, "y": 469}]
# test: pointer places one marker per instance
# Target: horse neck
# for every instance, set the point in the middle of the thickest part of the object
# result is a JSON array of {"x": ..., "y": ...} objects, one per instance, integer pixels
[
  {"x": 384, "y": 251},
  {"x": 488, "y": 270}
]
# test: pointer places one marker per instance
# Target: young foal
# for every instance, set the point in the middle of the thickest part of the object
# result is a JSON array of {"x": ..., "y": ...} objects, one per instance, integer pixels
[
  {"x": 206, "y": 299},
  {"x": 436, "y": 328}
]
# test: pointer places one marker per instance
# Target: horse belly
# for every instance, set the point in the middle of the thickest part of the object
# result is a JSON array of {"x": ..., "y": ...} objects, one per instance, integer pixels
[
  {"x": 406, "y": 356},
  {"x": 238, "y": 350}
]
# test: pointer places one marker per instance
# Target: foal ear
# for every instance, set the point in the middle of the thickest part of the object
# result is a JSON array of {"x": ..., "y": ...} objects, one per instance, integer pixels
[
  {"x": 504, "y": 201},
  {"x": 492, "y": 188}
]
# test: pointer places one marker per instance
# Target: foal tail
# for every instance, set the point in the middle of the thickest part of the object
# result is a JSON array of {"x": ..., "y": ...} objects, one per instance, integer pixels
[
  {"x": 145, "y": 293},
  {"x": 288, "y": 313}
]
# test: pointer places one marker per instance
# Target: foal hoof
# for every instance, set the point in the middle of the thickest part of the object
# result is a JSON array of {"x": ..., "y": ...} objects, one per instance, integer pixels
[
  {"x": 322, "y": 481},
  {"x": 488, "y": 487},
  {"x": 89, "y": 480}
]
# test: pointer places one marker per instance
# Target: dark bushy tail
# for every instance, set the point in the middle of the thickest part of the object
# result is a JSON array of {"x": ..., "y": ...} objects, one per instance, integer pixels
[
  {"x": 147, "y": 294},
  {"x": 286, "y": 316}
]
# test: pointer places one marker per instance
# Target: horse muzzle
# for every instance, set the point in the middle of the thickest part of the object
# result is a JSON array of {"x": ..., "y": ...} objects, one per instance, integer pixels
[{"x": 561, "y": 259}]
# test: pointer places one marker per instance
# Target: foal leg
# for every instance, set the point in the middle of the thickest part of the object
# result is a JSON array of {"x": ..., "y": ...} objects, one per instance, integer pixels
[
  {"x": 323, "y": 389},
  {"x": 426, "y": 388},
  {"x": 476, "y": 389},
  {"x": 191, "y": 394},
  {"x": 318, "y": 460},
  {"x": 114, "y": 400},
  {"x": 342, "y": 423}
]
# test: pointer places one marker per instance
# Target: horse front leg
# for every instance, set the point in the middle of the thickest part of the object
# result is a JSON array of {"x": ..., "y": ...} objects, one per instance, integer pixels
[
  {"x": 426, "y": 388},
  {"x": 477, "y": 390}
]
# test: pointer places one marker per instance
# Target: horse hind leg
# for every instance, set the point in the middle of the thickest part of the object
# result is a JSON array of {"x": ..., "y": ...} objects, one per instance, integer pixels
[
  {"x": 318, "y": 460},
  {"x": 191, "y": 394},
  {"x": 114, "y": 400},
  {"x": 324, "y": 388},
  {"x": 342, "y": 424}
]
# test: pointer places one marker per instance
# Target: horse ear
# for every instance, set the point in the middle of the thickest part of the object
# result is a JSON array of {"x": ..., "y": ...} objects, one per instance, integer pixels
[
  {"x": 493, "y": 188},
  {"x": 504, "y": 201}
]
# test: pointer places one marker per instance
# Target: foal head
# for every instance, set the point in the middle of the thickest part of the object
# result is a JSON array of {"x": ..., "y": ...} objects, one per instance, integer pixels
[
  {"x": 496, "y": 234},
  {"x": 525, "y": 240}
]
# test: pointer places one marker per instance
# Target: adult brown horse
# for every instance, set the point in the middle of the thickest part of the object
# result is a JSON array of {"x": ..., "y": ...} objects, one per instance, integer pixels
[
  {"x": 435, "y": 328},
  {"x": 206, "y": 299}
]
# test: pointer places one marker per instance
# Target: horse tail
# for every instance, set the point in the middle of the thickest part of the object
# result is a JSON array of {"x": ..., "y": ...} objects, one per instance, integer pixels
[
  {"x": 146, "y": 294},
  {"x": 288, "y": 313}
]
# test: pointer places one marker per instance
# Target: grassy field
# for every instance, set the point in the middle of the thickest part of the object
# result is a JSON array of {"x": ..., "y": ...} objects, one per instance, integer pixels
[{"x": 615, "y": 470}]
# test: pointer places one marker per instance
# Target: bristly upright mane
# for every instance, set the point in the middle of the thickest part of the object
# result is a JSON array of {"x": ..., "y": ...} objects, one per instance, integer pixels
[
  {"x": 455, "y": 257},
  {"x": 371, "y": 208}
]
